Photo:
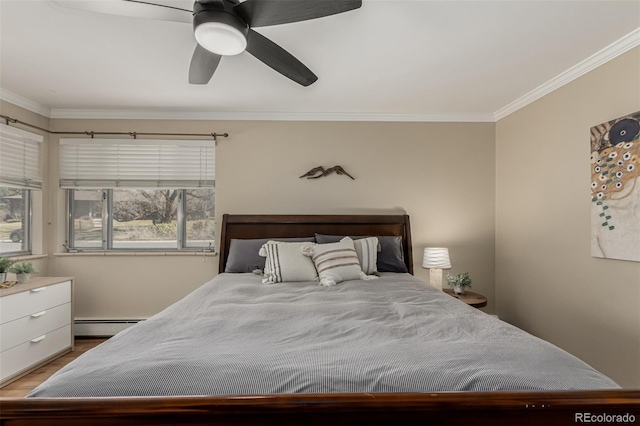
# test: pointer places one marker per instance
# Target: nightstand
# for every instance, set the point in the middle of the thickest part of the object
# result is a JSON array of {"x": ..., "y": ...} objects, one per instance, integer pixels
[{"x": 470, "y": 298}]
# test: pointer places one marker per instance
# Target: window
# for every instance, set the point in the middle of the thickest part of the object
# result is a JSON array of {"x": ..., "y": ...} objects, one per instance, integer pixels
[
  {"x": 141, "y": 219},
  {"x": 14, "y": 220},
  {"x": 86, "y": 218},
  {"x": 145, "y": 218},
  {"x": 19, "y": 177},
  {"x": 200, "y": 216},
  {"x": 140, "y": 194}
]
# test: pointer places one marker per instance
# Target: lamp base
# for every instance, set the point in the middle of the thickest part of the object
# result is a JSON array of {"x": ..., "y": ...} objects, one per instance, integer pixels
[{"x": 435, "y": 278}]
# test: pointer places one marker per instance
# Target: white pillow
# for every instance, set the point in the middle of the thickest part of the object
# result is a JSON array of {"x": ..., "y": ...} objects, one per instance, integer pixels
[
  {"x": 285, "y": 262},
  {"x": 367, "y": 251},
  {"x": 336, "y": 262}
]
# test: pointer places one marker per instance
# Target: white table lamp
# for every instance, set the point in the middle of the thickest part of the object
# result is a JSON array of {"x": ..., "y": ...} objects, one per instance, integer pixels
[{"x": 436, "y": 259}]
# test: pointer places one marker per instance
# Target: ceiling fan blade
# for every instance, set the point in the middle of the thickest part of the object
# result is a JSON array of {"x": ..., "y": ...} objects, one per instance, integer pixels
[
  {"x": 262, "y": 13},
  {"x": 131, "y": 8},
  {"x": 203, "y": 65},
  {"x": 279, "y": 59}
]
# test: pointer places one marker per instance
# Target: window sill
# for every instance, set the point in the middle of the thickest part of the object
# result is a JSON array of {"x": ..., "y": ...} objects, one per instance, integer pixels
[
  {"x": 23, "y": 257},
  {"x": 138, "y": 253}
]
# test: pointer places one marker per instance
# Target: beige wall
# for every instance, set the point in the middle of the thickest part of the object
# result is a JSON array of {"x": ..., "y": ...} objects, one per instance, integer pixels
[
  {"x": 40, "y": 199},
  {"x": 441, "y": 174},
  {"x": 546, "y": 280}
]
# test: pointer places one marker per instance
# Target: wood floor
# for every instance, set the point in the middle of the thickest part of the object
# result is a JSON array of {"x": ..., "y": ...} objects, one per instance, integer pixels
[{"x": 21, "y": 387}]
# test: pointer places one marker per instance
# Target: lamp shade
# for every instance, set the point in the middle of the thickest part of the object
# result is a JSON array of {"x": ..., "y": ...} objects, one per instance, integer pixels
[{"x": 436, "y": 257}]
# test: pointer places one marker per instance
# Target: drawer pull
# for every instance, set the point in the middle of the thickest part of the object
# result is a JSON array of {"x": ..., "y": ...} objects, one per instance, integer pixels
[
  {"x": 39, "y": 339},
  {"x": 36, "y": 290},
  {"x": 39, "y": 314}
]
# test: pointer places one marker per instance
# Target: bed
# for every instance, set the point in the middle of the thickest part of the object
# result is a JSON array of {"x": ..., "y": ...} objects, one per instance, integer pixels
[{"x": 237, "y": 351}]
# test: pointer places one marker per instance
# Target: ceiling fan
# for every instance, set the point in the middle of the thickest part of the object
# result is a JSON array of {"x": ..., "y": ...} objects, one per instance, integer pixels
[{"x": 225, "y": 27}]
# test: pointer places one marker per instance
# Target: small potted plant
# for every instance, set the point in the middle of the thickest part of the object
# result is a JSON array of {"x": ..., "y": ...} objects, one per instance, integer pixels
[
  {"x": 5, "y": 264},
  {"x": 459, "y": 282},
  {"x": 23, "y": 271}
]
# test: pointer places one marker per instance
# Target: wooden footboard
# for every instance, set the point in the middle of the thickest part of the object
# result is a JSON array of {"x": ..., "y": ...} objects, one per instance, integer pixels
[{"x": 452, "y": 408}]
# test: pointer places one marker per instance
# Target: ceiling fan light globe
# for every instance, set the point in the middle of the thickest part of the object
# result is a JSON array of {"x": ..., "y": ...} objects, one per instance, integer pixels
[{"x": 220, "y": 38}]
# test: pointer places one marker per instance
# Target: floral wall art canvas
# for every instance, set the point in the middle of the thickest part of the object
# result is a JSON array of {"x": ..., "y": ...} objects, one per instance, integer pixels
[{"x": 615, "y": 189}]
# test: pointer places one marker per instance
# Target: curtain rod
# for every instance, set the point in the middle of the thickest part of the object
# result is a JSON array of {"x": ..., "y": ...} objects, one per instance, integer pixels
[{"x": 92, "y": 133}]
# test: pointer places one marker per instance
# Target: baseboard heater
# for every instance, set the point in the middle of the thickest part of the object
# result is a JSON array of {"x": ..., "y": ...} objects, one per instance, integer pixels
[{"x": 102, "y": 327}]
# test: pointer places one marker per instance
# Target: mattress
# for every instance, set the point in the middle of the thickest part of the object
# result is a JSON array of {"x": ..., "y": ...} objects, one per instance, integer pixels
[{"x": 237, "y": 336}]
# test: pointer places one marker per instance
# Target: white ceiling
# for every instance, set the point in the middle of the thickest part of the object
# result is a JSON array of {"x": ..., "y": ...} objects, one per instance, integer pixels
[{"x": 391, "y": 58}]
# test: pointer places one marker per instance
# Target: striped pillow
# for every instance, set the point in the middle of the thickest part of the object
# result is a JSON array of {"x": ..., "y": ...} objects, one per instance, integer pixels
[
  {"x": 367, "y": 251},
  {"x": 285, "y": 262},
  {"x": 336, "y": 262}
]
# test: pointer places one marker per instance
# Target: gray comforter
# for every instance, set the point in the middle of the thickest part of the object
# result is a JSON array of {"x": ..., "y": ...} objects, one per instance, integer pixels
[{"x": 235, "y": 335}]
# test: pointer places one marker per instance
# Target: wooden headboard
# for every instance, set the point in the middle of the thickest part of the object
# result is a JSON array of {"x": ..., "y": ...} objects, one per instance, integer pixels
[{"x": 274, "y": 226}]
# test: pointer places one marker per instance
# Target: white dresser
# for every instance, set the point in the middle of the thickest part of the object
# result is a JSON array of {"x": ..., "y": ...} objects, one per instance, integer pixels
[{"x": 36, "y": 325}]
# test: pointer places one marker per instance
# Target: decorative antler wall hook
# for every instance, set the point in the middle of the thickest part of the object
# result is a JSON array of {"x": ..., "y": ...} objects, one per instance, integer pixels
[{"x": 318, "y": 172}]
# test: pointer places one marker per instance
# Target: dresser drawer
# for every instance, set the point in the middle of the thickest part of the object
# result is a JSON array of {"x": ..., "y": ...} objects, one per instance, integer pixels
[
  {"x": 23, "y": 329},
  {"x": 32, "y": 301},
  {"x": 21, "y": 357}
]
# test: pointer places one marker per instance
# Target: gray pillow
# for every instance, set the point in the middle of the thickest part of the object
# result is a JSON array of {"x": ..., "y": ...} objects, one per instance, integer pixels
[
  {"x": 243, "y": 254},
  {"x": 390, "y": 256}
]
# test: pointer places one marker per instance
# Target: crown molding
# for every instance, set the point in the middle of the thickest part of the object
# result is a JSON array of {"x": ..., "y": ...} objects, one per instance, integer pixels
[
  {"x": 25, "y": 103},
  {"x": 610, "y": 52},
  {"x": 261, "y": 116}
]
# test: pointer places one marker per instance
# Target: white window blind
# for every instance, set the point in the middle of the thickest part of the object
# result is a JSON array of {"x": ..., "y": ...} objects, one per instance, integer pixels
[
  {"x": 20, "y": 158},
  {"x": 115, "y": 163}
]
